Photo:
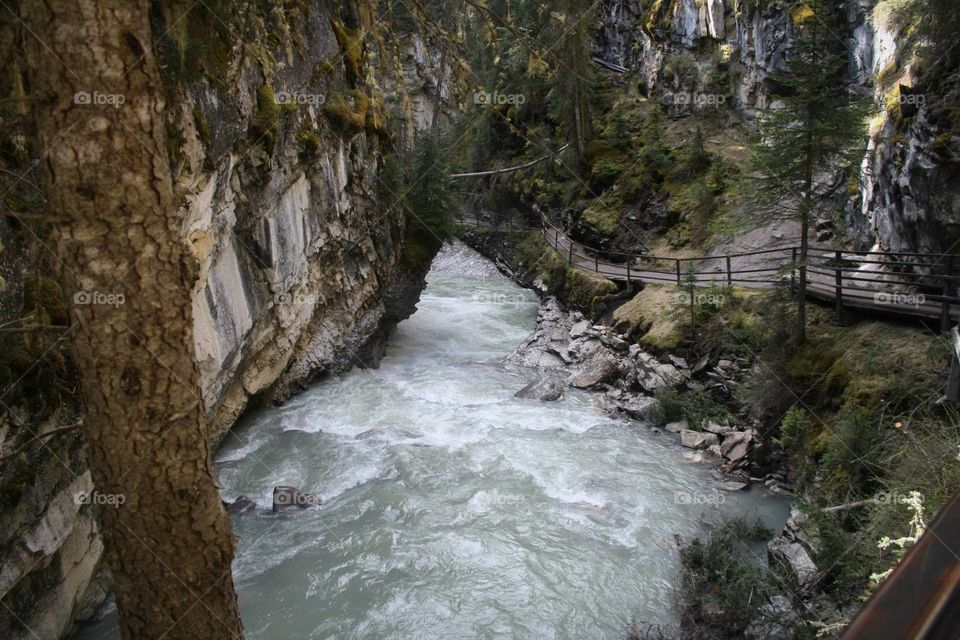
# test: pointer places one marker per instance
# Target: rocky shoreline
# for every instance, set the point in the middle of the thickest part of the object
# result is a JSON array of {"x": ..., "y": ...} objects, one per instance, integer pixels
[{"x": 571, "y": 351}]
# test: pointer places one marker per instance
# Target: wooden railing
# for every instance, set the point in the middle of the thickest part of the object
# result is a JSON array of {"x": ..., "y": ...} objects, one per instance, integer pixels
[{"x": 919, "y": 285}]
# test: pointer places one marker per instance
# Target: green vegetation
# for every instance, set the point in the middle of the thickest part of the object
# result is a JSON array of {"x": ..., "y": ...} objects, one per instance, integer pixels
[
  {"x": 818, "y": 124},
  {"x": 577, "y": 289},
  {"x": 416, "y": 183},
  {"x": 726, "y": 574}
]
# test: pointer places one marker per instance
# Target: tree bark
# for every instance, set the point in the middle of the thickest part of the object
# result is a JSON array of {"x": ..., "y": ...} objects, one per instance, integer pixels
[{"x": 101, "y": 126}]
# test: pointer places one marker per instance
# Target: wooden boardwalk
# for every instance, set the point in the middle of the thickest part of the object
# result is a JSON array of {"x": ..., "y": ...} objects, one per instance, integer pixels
[{"x": 913, "y": 285}]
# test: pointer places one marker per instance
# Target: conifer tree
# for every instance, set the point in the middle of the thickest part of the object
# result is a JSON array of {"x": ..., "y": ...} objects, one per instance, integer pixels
[{"x": 817, "y": 122}]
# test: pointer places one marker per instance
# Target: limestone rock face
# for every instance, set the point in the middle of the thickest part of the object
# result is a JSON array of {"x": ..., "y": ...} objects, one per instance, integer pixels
[
  {"x": 907, "y": 198},
  {"x": 294, "y": 266}
]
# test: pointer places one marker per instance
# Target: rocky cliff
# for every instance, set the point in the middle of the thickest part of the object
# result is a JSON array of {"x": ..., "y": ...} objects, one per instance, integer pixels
[
  {"x": 279, "y": 121},
  {"x": 692, "y": 55}
]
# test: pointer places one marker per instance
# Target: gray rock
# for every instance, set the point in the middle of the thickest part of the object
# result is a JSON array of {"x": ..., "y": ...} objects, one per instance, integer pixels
[
  {"x": 697, "y": 439},
  {"x": 676, "y": 427},
  {"x": 716, "y": 428},
  {"x": 547, "y": 388},
  {"x": 602, "y": 368},
  {"x": 738, "y": 452},
  {"x": 793, "y": 557},
  {"x": 615, "y": 343},
  {"x": 641, "y": 407},
  {"x": 733, "y": 440},
  {"x": 732, "y": 486},
  {"x": 579, "y": 329},
  {"x": 242, "y": 505}
]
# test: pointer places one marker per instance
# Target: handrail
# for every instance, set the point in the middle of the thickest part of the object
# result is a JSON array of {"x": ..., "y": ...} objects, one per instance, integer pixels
[{"x": 920, "y": 599}]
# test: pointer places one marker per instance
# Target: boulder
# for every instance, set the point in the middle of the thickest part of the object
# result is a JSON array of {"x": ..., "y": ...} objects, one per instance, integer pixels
[
  {"x": 641, "y": 407},
  {"x": 697, "y": 439},
  {"x": 241, "y": 505},
  {"x": 615, "y": 343},
  {"x": 736, "y": 444},
  {"x": 602, "y": 368},
  {"x": 716, "y": 428},
  {"x": 547, "y": 388},
  {"x": 793, "y": 557},
  {"x": 676, "y": 427},
  {"x": 579, "y": 329},
  {"x": 732, "y": 486},
  {"x": 286, "y": 497}
]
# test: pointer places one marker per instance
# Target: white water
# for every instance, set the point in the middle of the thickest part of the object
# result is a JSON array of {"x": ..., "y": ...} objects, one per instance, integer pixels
[{"x": 453, "y": 510}]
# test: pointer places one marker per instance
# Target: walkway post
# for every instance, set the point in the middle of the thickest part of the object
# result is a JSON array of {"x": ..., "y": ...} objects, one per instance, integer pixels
[
  {"x": 678, "y": 272},
  {"x": 729, "y": 273},
  {"x": 945, "y": 304},
  {"x": 793, "y": 270},
  {"x": 838, "y": 284},
  {"x": 628, "y": 273},
  {"x": 570, "y": 254}
]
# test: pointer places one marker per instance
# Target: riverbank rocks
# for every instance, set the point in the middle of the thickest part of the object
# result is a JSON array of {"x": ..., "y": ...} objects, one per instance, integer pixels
[
  {"x": 698, "y": 439},
  {"x": 640, "y": 407},
  {"x": 548, "y": 389},
  {"x": 602, "y": 367},
  {"x": 736, "y": 445},
  {"x": 285, "y": 497}
]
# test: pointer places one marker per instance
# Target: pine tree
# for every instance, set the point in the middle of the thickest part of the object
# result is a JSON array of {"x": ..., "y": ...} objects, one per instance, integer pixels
[{"x": 818, "y": 122}]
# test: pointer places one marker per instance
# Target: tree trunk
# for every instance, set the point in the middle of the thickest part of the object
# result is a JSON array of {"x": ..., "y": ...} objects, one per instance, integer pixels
[{"x": 101, "y": 122}]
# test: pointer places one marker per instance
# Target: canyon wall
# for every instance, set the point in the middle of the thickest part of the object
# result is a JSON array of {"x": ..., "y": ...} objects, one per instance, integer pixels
[
  {"x": 907, "y": 193},
  {"x": 276, "y": 140}
]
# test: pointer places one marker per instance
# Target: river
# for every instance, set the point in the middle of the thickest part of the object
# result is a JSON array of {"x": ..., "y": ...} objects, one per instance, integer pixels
[{"x": 452, "y": 509}]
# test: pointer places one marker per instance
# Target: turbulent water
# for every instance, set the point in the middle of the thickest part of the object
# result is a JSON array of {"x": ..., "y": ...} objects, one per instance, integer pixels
[{"x": 452, "y": 509}]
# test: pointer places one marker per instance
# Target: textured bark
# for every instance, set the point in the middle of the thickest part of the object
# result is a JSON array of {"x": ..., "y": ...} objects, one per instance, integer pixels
[{"x": 169, "y": 545}]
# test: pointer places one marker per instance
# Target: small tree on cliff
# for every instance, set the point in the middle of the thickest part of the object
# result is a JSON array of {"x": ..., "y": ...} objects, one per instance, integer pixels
[{"x": 817, "y": 122}]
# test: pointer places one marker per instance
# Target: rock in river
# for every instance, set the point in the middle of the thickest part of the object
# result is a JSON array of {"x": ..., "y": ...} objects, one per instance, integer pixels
[{"x": 547, "y": 388}]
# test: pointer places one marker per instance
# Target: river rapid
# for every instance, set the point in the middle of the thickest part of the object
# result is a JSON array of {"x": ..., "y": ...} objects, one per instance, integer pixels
[{"x": 452, "y": 509}]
